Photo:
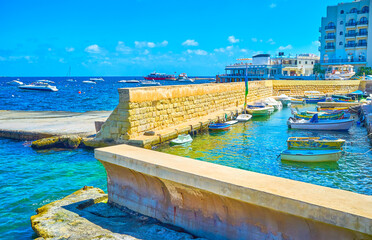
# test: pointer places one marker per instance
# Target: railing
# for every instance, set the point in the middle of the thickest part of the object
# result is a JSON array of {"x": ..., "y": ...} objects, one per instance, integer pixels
[
  {"x": 362, "y": 12},
  {"x": 362, "y": 34},
  {"x": 350, "y": 34},
  {"x": 343, "y": 60},
  {"x": 329, "y": 47},
  {"x": 330, "y": 27},
  {"x": 350, "y": 45},
  {"x": 330, "y": 37},
  {"x": 362, "y": 44},
  {"x": 362, "y": 22},
  {"x": 352, "y": 24}
]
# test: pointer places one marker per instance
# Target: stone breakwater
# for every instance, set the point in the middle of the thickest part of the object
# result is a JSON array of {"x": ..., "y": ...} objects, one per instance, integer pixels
[{"x": 172, "y": 110}]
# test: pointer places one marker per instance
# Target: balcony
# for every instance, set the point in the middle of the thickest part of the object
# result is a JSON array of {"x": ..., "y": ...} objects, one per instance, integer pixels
[
  {"x": 361, "y": 45},
  {"x": 352, "y": 24},
  {"x": 362, "y": 34},
  {"x": 362, "y": 12},
  {"x": 329, "y": 47},
  {"x": 350, "y": 35},
  {"x": 338, "y": 61},
  {"x": 330, "y": 37},
  {"x": 350, "y": 45},
  {"x": 362, "y": 24},
  {"x": 330, "y": 28}
]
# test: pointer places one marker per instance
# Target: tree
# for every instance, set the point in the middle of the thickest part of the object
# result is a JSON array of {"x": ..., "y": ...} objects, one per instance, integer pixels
[
  {"x": 318, "y": 69},
  {"x": 365, "y": 70}
]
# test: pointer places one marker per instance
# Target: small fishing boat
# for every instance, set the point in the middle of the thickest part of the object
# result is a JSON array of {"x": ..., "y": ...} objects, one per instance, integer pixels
[
  {"x": 284, "y": 99},
  {"x": 314, "y": 143},
  {"x": 149, "y": 83},
  {"x": 258, "y": 110},
  {"x": 297, "y": 100},
  {"x": 39, "y": 86},
  {"x": 244, "y": 117},
  {"x": 182, "y": 139},
  {"x": 89, "y": 82},
  {"x": 128, "y": 81},
  {"x": 341, "y": 98},
  {"x": 324, "y": 109},
  {"x": 321, "y": 115},
  {"x": 325, "y": 125},
  {"x": 311, "y": 155},
  {"x": 15, "y": 82},
  {"x": 315, "y": 99},
  {"x": 219, "y": 126},
  {"x": 232, "y": 122}
]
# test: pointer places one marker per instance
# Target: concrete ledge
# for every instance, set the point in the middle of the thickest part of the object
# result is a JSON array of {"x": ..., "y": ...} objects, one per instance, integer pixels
[{"x": 220, "y": 202}]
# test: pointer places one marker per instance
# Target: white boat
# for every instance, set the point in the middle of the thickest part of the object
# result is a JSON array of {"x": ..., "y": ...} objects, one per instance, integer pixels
[
  {"x": 244, "y": 117},
  {"x": 15, "y": 82},
  {"x": 149, "y": 83},
  {"x": 284, "y": 99},
  {"x": 39, "y": 86},
  {"x": 128, "y": 81},
  {"x": 273, "y": 103},
  {"x": 311, "y": 155},
  {"x": 324, "y": 125},
  {"x": 71, "y": 80},
  {"x": 183, "y": 78},
  {"x": 96, "y": 79},
  {"x": 260, "y": 110},
  {"x": 69, "y": 76},
  {"x": 339, "y": 72},
  {"x": 232, "y": 122},
  {"x": 89, "y": 82},
  {"x": 45, "y": 81},
  {"x": 182, "y": 139}
]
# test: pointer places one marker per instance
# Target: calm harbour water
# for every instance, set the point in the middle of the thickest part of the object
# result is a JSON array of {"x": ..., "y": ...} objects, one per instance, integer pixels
[{"x": 30, "y": 179}]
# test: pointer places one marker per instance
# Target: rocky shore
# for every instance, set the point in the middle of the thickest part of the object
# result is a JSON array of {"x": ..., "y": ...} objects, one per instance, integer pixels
[{"x": 85, "y": 214}]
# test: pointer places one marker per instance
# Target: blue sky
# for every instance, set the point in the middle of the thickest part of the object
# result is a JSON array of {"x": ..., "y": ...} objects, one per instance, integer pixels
[{"x": 120, "y": 37}]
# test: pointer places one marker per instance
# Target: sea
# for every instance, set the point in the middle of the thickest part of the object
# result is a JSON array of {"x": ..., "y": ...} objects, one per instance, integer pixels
[{"x": 31, "y": 178}]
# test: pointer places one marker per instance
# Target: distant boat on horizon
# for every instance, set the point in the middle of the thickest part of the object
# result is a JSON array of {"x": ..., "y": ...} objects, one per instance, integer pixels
[
  {"x": 69, "y": 76},
  {"x": 160, "y": 76},
  {"x": 97, "y": 79}
]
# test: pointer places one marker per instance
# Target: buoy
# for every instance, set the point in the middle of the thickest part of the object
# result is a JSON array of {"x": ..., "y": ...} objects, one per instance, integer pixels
[{"x": 79, "y": 92}]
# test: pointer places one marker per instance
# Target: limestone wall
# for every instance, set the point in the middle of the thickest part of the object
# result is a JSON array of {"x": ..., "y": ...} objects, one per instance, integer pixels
[
  {"x": 218, "y": 202},
  {"x": 293, "y": 88},
  {"x": 154, "y": 108}
]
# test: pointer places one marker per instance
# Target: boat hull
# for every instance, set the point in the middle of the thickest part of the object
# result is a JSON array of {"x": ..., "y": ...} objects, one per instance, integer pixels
[
  {"x": 38, "y": 89},
  {"x": 219, "y": 127},
  {"x": 314, "y": 143},
  {"x": 311, "y": 156},
  {"x": 160, "y": 78},
  {"x": 260, "y": 111},
  {"x": 326, "y": 125}
]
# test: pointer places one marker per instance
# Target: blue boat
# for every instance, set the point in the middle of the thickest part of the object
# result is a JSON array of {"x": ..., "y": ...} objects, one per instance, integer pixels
[
  {"x": 219, "y": 126},
  {"x": 315, "y": 99}
]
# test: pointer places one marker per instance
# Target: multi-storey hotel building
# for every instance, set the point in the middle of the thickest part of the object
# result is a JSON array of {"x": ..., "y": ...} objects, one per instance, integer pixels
[{"x": 344, "y": 35}]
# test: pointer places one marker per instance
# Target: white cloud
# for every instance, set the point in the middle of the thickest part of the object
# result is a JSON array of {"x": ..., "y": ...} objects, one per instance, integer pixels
[
  {"x": 142, "y": 44},
  {"x": 219, "y": 50},
  {"x": 93, "y": 49},
  {"x": 232, "y": 39},
  {"x": 61, "y": 60},
  {"x": 244, "y": 50},
  {"x": 288, "y": 47},
  {"x": 197, "y": 52},
  {"x": 273, "y": 5},
  {"x": 190, "y": 42},
  {"x": 271, "y": 41},
  {"x": 122, "y": 48},
  {"x": 70, "y": 49},
  {"x": 254, "y": 40}
]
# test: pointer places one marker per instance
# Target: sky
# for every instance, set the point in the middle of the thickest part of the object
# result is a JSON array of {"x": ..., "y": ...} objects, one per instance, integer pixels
[{"x": 136, "y": 37}]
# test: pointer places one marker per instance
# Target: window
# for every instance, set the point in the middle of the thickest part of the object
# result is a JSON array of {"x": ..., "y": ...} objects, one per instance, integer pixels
[
  {"x": 342, "y": 23},
  {"x": 363, "y": 20},
  {"x": 353, "y": 10},
  {"x": 299, "y": 62},
  {"x": 312, "y": 63},
  {"x": 365, "y": 9},
  {"x": 340, "y": 43},
  {"x": 342, "y": 12},
  {"x": 341, "y": 33},
  {"x": 305, "y": 62},
  {"x": 352, "y": 22}
]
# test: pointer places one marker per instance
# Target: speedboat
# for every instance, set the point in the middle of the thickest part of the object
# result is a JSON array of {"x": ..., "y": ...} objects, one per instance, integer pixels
[
  {"x": 129, "y": 81},
  {"x": 39, "y": 86},
  {"x": 219, "y": 126},
  {"x": 260, "y": 110},
  {"x": 273, "y": 103},
  {"x": 96, "y": 79},
  {"x": 149, "y": 83},
  {"x": 15, "y": 82},
  {"x": 315, "y": 143},
  {"x": 181, "y": 139},
  {"x": 44, "y": 81},
  {"x": 311, "y": 155},
  {"x": 325, "y": 125},
  {"x": 244, "y": 117},
  {"x": 183, "y": 78},
  {"x": 89, "y": 82}
]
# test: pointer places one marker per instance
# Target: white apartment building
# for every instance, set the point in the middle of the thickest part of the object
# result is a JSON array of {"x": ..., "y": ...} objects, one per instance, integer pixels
[{"x": 344, "y": 35}]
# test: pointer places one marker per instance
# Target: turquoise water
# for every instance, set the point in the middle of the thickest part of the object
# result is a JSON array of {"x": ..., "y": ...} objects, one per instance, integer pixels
[
  {"x": 255, "y": 146},
  {"x": 30, "y": 179}
]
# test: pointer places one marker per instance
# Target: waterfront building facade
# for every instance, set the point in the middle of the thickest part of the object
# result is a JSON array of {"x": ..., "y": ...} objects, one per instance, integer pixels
[
  {"x": 263, "y": 66},
  {"x": 344, "y": 35}
]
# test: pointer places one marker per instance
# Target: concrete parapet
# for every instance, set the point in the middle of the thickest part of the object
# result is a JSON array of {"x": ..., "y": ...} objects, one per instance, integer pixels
[{"x": 220, "y": 202}]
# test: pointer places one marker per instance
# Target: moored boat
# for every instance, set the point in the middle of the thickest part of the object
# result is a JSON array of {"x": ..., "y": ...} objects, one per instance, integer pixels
[
  {"x": 39, "y": 86},
  {"x": 311, "y": 155},
  {"x": 297, "y": 100},
  {"x": 324, "y": 125},
  {"x": 321, "y": 115},
  {"x": 277, "y": 105},
  {"x": 182, "y": 139},
  {"x": 232, "y": 122},
  {"x": 129, "y": 81},
  {"x": 219, "y": 126},
  {"x": 284, "y": 99},
  {"x": 89, "y": 82},
  {"x": 260, "y": 110},
  {"x": 96, "y": 79},
  {"x": 244, "y": 117},
  {"x": 314, "y": 143},
  {"x": 149, "y": 83}
]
